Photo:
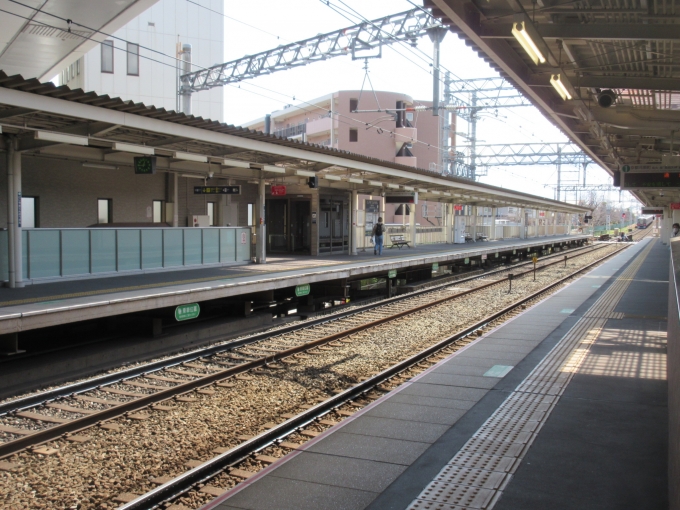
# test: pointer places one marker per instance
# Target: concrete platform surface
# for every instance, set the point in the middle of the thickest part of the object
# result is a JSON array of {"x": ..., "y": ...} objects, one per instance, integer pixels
[
  {"x": 65, "y": 301},
  {"x": 550, "y": 410}
]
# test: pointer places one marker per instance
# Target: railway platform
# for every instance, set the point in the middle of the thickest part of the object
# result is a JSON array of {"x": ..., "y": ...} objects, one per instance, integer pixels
[
  {"x": 62, "y": 302},
  {"x": 563, "y": 406}
]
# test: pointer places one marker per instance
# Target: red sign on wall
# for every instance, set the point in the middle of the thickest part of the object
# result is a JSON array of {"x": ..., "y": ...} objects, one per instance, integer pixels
[
  {"x": 675, "y": 205},
  {"x": 278, "y": 191},
  {"x": 457, "y": 207}
]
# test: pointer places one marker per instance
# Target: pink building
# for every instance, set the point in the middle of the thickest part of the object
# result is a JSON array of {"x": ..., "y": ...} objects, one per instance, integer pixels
[{"x": 386, "y": 128}]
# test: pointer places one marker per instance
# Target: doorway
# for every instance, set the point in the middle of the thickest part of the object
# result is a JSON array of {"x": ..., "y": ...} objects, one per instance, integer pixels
[
  {"x": 334, "y": 225},
  {"x": 288, "y": 225}
]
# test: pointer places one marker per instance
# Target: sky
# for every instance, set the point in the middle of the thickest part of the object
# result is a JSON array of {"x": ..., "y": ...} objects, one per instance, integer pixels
[{"x": 258, "y": 25}]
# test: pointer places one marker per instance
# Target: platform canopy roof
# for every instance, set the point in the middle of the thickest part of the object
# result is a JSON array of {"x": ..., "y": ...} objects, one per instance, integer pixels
[
  {"x": 617, "y": 60},
  {"x": 37, "y": 40},
  {"x": 57, "y": 122}
]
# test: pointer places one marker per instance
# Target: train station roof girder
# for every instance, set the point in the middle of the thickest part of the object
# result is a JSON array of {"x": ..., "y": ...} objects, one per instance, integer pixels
[
  {"x": 616, "y": 62},
  {"x": 109, "y": 124}
]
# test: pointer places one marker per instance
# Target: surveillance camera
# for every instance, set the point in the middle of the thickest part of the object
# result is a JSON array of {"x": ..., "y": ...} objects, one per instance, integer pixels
[
  {"x": 606, "y": 98},
  {"x": 210, "y": 175}
]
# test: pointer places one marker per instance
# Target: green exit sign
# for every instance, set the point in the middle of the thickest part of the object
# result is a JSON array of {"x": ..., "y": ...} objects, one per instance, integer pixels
[
  {"x": 302, "y": 290},
  {"x": 186, "y": 312},
  {"x": 392, "y": 273},
  {"x": 145, "y": 165}
]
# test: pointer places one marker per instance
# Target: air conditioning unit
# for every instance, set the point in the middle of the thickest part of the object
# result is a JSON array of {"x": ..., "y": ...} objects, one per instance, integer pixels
[{"x": 199, "y": 220}]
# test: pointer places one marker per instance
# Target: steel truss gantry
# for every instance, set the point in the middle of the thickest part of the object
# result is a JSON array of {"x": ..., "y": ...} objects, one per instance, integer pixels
[
  {"x": 360, "y": 41},
  {"x": 514, "y": 154}
]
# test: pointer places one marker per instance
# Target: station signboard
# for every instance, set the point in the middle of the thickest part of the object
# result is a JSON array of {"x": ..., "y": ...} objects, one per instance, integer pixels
[
  {"x": 372, "y": 206},
  {"x": 217, "y": 190},
  {"x": 408, "y": 197},
  {"x": 278, "y": 191},
  {"x": 186, "y": 312},
  {"x": 675, "y": 205},
  {"x": 302, "y": 290},
  {"x": 647, "y": 169},
  {"x": 652, "y": 210},
  {"x": 651, "y": 180}
]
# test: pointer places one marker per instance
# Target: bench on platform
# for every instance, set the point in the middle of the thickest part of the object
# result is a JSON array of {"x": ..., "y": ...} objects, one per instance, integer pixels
[
  {"x": 482, "y": 237},
  {"x": 468, "y": 238},
  {"x": 398, "y": 241}
]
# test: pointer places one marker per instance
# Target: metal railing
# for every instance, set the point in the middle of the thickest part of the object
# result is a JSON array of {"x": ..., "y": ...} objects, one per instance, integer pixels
[{"x": 74, "y": 252}]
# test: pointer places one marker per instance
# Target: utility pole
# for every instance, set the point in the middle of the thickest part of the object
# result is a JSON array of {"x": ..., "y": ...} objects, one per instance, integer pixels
[
  {"x": 437, "y": 36},
  {"x": 444, "y": 136},
  {"x": 559, "y": 171},
  {"x": 473, "y": 136}
]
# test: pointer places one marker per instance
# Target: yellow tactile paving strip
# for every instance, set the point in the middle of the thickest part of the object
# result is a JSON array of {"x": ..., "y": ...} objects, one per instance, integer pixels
[{"x": 507, "y": 435}]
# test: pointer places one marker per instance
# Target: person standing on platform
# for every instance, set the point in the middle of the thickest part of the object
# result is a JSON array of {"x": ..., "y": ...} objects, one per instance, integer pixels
[
  {"x": 377, "y": 233},
  {"x": 676, "y": 230}
]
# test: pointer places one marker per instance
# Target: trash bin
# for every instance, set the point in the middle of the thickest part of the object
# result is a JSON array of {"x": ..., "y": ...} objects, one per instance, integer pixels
[{"x": 629, "y": 237}]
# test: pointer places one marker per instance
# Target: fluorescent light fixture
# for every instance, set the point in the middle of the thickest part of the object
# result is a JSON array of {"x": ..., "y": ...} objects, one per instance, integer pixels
[
  {"x": 422, "y": 190},
  {"x": 375, "y": 183},
  {"x": 235, "y": 163},
  {"x": 193, "y": 176},
  {"x": 305, "y": 173},
  {"x": 356, "y": 181},
  {"x": 331, "y": 177},
  {"x": 556, "y": 82},
  {"x": 519, "y": 30},
  {"x": 409, "y": 188},
  {"x": 435, "y": 192},
  {"x": 274, "y": 169},
  {"x": 446, "y": 193},
  {"x": 97, "y": 165},
  {"x": 49, "y": 136},
  {"x": 188, "y": 156},
  {"x": 393, "y": 186},
  {"x": 137, "y": 149}
]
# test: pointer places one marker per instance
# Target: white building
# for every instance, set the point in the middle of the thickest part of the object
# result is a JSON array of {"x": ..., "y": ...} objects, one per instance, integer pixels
[{"x": 138, "y": 62}]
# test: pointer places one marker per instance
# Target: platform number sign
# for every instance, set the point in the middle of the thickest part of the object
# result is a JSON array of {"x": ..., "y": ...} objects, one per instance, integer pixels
[
  {"x": 244, "y": 237},
  {"x": 186, "y": 312},
  {"x": 145, "y": 165},
  {"x": 392, "y": 273},
  {"x": 625, "y": 169},
  {"x": 435, "y": 267},
  {"x": 302, "y": 290}
]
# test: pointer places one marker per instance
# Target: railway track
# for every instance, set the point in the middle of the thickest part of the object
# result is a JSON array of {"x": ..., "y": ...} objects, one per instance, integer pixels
[
  {"x": 232, "y": 466},
  {"x": 40, "y": 418},
  {"x": 258, "y": 357}
]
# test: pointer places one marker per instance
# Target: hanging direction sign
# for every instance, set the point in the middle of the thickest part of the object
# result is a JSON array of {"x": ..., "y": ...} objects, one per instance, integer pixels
[
  {"x": 636, "y": 169},
  {"x": 217, "y": 190},
  {"x": 664, "y": 179}
]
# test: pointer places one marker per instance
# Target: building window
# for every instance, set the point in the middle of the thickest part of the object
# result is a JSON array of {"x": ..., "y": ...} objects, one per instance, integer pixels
[
  {"x": 211, "y": 214},
  {"x": 104, "y": 210},
  {"x": 29, "y": 212},
  {"x": 158, "y": 211},
  {"x": 353, "y": 135},
  {"x": 107, "y": 56},
  {"x": 132, "y": 59},
  {"x": 251, "y": 215},
  {"x": 353, "y": 104}
]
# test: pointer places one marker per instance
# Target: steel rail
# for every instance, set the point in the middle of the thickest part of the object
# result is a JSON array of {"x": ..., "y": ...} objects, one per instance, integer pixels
[
  {"x": 90, "y": 384},
  {"x": 90, "y": 420},
  {"x": 184, "y": 482}
]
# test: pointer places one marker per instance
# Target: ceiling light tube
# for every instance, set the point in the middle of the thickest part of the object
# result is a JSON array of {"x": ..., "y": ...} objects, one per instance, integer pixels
[
  {"x": 422, "y": 190},
  {"x": 557, "y": 84},
  {"x": 193, "y": 176},
  {"x": 274, "y": 169},
  {"x": 305, "y": 173},
  {"x": 49, "y": 136},
  {"x": 356, "y": 181},
  {"x": 409, "y": 188},
  {"x": 331, "y": 177},
  {"x": 98, "y": 165},
  {"x": 235, "y": 163},
  {"x": 519, "y": 30},
  {"x": 393, "y": 186},
  {"x": 136, "y": 149},
  {"x": 375, "y": 183},
  {"x": 188, "y": 156}
]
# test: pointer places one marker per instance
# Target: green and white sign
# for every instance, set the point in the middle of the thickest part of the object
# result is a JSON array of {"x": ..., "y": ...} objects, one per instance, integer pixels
[
  {"x": 302, "y": 290},
  {"x": 435, "y": 266},
  {"x": 392, "y": 273},
  {"x": 625, "y": 168},
  {"x": 186, "y": 312}
]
